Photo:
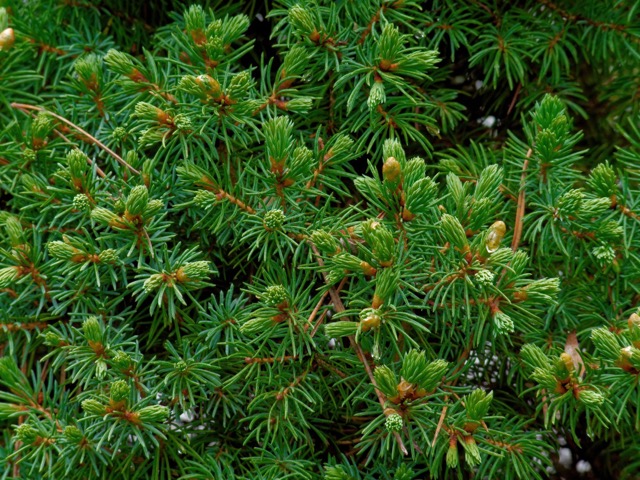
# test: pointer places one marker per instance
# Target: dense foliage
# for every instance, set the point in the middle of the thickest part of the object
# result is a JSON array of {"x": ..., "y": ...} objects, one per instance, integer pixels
[{"x": 330, "y": 240}]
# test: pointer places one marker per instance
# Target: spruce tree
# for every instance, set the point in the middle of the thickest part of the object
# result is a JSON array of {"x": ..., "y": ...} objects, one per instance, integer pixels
[{"x": 340, "y": 240}]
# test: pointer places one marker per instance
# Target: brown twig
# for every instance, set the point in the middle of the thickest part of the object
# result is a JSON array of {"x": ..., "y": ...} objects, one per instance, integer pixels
[
  {"x": 627, "y": 212},
  {"x": 48, "y": 48},
  {"x": 443, "y": 414},
  {"x": 317, "y": 308},
  {"x": 99, "y": 171},
  {"x": 319, "y": 169},
  {"x": 515, "y": 97},
  {"x": 517, "y": 231},
  {"x": 296, "y": 381},
  {"x": 324, "y": 364},
  {"x": 14, "y": 327},
  {"x": 237, "y": 202},
  {"x": 461, "y": 361},
  {"x": 263, "y": 360},
  {"x": 339, "y": 307},
  {"x": 209, "y": 185},
  {"x": 374, "y": 19},
  {"x": 25, "y": 107},
  {"x": 318, "y": 323}
]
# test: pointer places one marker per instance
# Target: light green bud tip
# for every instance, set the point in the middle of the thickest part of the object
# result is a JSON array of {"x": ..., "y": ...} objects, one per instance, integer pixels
[
  {"x": 503, "y": 323},
  {"x": 606, "y": 342},
  {"x": 137, "y": 200},
  {"x": 103, "y": 215},
  {"x": 393, "y": 423},
  {"x": 433, "y": 374},
  {"x": 8, "y": 275},
  {"x": 61, "y": 250},
  {"x": 153, "y": 413},
  {"x": 153, "y": 282},
  {"x": 376, "y": 95},
  {"x": 386, "y": 380},
  {"x": 72, "y": 434},
  {"x": 534, "y": 357},
  {"x": 204, "y": 198},
  {"x": 605, "y": 254},
  {"x": 81, "y": 202},
  {"x": 256, "y": 325},
  {"x": 153, "y": 207},
  {"x": 194, "y": 271},
  {"x": 147, "y": 111},
  {"x": 41, "y": 125},
  {"x": 13, "y": 227},
  {"x": 120, "y": 390},
  {"x": 325, "y": 242},
  {"x": 77, "y": 161},
  {"x": 591, "y": 398},
  {"x": 121, "y": 360},
  {"x": 452, "y": 455},
  {"x": 183, "y": 122},
  {"x": 570, "y": 202},
  {"x": 119, "y": 134},
  {"x": 340, "y": 329},
  {"x": 471, "y": 451},
  {"x": 150, "y": 136},
  {"x": 545, "y": 378},
  {"x": 274, "y": 295},
  {"x": 92, "y": 329},
  {"x": 477, "y": 403},
  {"x": 26, "y": 433},
  {"x": 301, "y": 19},
  {"x": 93, "y": 407},
  {"x": 181, "y": 366},
  {"x": 118, "y": 206},
  {"x": 342, "y": 144},
  {"x": 273, "y": 219},
  {"x": 29, "y": 155},
  {"x": 108, "y": 256},
  {"x": 51, "y": 339},
  {"x": 101, "y": 368},
  {"x": 132, "y": 158},
  {"x": 485, "y": 277},
  {"x": 239, "y": 85}
]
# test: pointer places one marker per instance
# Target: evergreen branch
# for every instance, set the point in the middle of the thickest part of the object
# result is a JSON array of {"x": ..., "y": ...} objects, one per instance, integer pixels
[
  {"x": 99, "y": 171},
  {"x": 314, "y": 313},
  {"x": 339, "y": 308},
  {"x": 573, "y": 17},
  {"x": 300, "y": 174},
  {"x": 25, "y": 107}
]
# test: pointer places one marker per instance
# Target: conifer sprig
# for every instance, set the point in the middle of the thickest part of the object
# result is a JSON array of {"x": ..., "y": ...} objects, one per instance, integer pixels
[{"x": 339, "y": 240}]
